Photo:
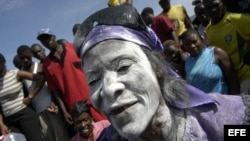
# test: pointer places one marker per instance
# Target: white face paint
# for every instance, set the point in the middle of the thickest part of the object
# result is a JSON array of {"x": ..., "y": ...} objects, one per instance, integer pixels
[{"x": 123, "y": 85}]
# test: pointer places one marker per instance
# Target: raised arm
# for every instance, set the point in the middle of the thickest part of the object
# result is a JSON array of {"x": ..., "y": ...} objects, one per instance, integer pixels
[{"x": 187, "y": 20}]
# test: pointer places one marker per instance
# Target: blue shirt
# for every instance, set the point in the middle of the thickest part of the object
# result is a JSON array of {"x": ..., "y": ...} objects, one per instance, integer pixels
[{"x": 203, "y": 72}]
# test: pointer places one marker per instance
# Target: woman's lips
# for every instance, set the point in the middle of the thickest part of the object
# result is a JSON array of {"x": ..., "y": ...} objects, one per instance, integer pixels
[{"x": 119, "y": 109}]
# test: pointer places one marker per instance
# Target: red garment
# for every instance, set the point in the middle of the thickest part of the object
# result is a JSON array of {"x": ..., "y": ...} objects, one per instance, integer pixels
[
  {"x": 163, "y": 27},
  {"x": 67, "y": 76}
]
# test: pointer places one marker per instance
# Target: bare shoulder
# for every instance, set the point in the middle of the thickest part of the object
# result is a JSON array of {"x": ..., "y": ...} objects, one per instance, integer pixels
[{"x": 219, "y": 51}]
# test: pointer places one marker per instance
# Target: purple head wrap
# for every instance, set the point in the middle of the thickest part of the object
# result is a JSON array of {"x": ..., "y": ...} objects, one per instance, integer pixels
[
  {"x": 147, "y": 39},
  {"x": 125, "y": 24}
]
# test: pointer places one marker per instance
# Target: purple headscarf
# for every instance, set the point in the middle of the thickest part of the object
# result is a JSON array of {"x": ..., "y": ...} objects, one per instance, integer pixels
[{"x": 147, "y": 39}]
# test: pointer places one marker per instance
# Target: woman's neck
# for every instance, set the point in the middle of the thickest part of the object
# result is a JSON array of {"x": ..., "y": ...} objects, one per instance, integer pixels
[
  {"x": 164, "y": 126},
  {"x": 58, "y": 51}
]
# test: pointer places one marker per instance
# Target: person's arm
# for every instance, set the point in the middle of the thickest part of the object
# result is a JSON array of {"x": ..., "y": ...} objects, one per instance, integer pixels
[
  {"x": 175, "y": 36},
  {"x": 228, "y": 70},
  {"x": 38, "y": 78},
  {"x": 187, "y": 20},
  {"x": 58, "y": 97},
  {"x": 3, "y": 127}
]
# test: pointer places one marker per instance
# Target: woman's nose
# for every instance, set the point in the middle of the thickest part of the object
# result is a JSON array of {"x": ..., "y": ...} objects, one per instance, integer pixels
[{"x": 112, "y": 86}]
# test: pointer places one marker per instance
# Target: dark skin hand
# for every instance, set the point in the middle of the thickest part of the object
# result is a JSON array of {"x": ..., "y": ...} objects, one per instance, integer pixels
[{"x": 67, "y": 116}]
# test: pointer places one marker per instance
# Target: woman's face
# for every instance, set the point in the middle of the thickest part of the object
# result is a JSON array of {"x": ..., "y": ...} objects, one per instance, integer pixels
[
  {"x": 83, "y": 124},
  {"x": 173, "y": 54},
  {"x": 193, "y": 44},
  {"x": 123, "y": 85}
]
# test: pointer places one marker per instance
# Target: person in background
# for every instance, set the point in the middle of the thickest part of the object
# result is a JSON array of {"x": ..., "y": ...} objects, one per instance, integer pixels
[
  {"x": 208, "y": 68},
  {"x": 147, "y": 15},
  {"x": 18, "y": 117},
  {"x": 64, "y": 76},
  {"x": 119, "y": 2},
  {"x": 164, "y": 28},
  {"x": 75, "y": 28},
  {"x": 175, "y": 56},
  {"x": 137, "y": 91},
  {"x": 62, "y": 41},
  {"x": 204, "y": 19},
  {"x": 17, "y": 62},
  {"x": 87, "y": 129},
  {"x": 38, "y": 52},
  {"x": 195, "y": 2},
  {"x": 177, "y": 15},
  {"x": 237, "y": 6},
  {"x": 230, "y": 32},
  {"x": 51, "y": 119}
]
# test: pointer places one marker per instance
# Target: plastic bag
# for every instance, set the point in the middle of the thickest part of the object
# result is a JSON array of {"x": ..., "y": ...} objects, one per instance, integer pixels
[{"x": 14, "y": 137}]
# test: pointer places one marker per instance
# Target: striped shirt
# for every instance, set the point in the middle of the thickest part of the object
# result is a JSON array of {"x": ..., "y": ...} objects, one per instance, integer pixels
[{"x": 11, "y": 93}]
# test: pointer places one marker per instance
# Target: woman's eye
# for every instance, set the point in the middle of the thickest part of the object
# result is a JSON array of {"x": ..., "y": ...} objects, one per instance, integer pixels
[
  {"x": 93, "y": 82},
  {"x": 123, "y": 68}
]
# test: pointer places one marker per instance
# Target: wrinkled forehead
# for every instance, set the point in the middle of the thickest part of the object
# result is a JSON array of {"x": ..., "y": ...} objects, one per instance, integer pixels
[
  {"x": 114, "y": 47},
  {"x": 110, "y": 52}
]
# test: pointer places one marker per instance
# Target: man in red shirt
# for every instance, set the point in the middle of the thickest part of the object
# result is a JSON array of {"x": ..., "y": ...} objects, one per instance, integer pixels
[
  {"x": 164, "y": 28},
  {"x": 64, "y": 75}
]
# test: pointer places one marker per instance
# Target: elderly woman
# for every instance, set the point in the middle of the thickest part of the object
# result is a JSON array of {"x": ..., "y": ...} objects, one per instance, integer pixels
[{"x": 141, "y": 97}]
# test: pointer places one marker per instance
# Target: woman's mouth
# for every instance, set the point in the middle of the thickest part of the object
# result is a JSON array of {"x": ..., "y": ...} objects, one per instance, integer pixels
[{"x": 117, "y": 110}]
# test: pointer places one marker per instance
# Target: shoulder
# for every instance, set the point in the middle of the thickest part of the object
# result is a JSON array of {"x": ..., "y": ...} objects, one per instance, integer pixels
[
  {"x": 69, "y": 45},
  {"x": 178, "y": 7},
  {"x": 13, "y": 71},
  {"x": 161, "y": 17},
  {"x": 219, "y": 51},
  {"x": 237, "y": 17},
  {"x": 104, "y": 123},
  {"x": 46, "y": 60}
]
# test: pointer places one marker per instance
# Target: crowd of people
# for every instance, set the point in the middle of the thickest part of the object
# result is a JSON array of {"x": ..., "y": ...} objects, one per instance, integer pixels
[{"x": 136, "y": 76}]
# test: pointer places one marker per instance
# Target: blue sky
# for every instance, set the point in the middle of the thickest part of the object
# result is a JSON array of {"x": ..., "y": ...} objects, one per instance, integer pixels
[{"x": 20, "y": 20}]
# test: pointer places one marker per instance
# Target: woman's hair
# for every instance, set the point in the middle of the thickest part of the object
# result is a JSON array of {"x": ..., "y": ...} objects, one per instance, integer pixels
[
  {"x": 173, "y": 88},
  {"x": 188, "y": 32},
  {"x": 79, "y": 108}
]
